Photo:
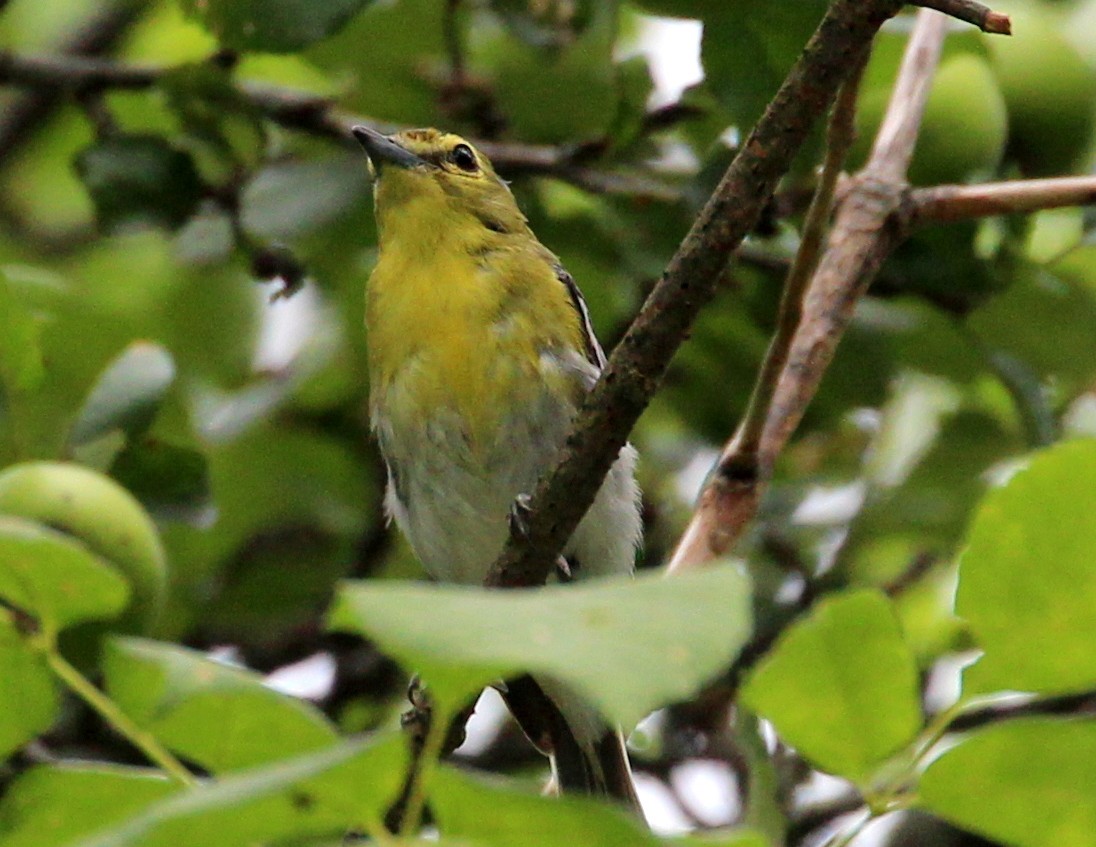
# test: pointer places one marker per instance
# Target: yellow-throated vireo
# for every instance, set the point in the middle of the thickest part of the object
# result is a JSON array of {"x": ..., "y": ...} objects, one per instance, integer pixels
[{"x": 480, "y": 352}]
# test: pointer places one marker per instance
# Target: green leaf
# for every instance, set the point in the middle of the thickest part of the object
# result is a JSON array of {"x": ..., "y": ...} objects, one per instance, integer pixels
[
  {"x": 485, "y": 810},
  {"x": 739, "y": 838},
  {"x": 629, "y": 645},
  {"x": 545, "y": 25},
  {"x": 139, "y": 179},
  {"x": 221, "y": 717},
  {"x": 21, "y": 366},
  {"x": 841, "y": 685},
  {"x": 1027, "y": 585},
  {"x": 127, "y": 393},
  {"x": 750, "y": 46},
  {"x": 55, "y": 578},
  {"x": 28, "y": 695},
  {"x": 321, "y": 794},
  {"x": 271, "y": 26},
  {"x": 560, "y": 94},
  {"x": 55, "y": 804},
  {"x": 1030, "y": 782},
  {"x": 169, "y": 480}
]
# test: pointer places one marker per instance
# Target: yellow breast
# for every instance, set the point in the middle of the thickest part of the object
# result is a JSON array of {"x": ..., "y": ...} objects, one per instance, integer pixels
[{"x": 464, "y": 331}]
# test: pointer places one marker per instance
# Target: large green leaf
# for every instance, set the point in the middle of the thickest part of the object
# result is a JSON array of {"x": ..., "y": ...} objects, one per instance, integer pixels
[
  {"x": 493, "y": 813},
  {"x": 272, "y": 26},
  {"x": 321, "y": 794},
  {"x": 841, "y": 685},
  {"x": 54, "y": 577},
  {"x": 28, "y": 695},
  {"x": 127, "y": 393},
  {"x": 629, "y": 645},
  {"x": 54, "y": 804},
  {"x": 139, "y": 179},
  {"x": 1027, "y": 580},
  {"x": 1028, "y": 783},
  {"x": 221, "y": 717}
]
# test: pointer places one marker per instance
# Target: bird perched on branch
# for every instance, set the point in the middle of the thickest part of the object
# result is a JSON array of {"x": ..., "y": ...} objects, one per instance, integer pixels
[{"x": 480, "y": 353}]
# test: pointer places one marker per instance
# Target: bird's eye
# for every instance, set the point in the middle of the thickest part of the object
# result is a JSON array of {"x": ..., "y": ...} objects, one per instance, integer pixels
[{"x": 463, "y": 157}]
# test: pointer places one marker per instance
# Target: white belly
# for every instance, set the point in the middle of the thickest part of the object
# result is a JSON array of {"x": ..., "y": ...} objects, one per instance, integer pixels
[{"x": 453, "y": 502}]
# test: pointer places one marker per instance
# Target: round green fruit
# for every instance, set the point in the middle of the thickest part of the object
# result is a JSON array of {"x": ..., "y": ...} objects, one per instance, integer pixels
[
  {"x": 1050, "y": 93},
  {"x": 965, "y": 125},
  {"x": 964, "y": 128},
  {"x": 104, "y": 516}
]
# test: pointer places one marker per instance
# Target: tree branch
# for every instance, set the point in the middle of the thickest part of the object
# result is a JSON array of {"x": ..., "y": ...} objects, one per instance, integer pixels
[
  {"x": 317, "y": 115},
  {"x": 986, "y": 20},
  {"x": 98, "y": 34},
  {"x": 739, "y": 467},
  {"x": 689, "y": 282},
  {"x": 959, "y": 202},
  {"x": 861, "y": 239}
]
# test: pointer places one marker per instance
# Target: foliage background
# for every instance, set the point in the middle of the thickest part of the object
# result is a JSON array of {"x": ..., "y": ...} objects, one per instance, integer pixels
[{"x": 137, "y": 340}]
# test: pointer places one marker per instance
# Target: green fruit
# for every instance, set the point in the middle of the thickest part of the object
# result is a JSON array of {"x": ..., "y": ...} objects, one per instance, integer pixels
[
  {"x": 104, "y": 516},
  {"x": 964, "y": 128},
  {"x": 965, "y": 125},
  {"x": 1050, "y": 93}
]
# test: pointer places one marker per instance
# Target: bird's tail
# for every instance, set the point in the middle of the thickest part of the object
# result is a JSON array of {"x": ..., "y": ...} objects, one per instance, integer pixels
[{"x": 588, "y": 756}]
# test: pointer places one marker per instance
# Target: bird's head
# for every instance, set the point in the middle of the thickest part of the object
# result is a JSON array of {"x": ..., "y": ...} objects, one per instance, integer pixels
[{"x": 425, "y": 178}]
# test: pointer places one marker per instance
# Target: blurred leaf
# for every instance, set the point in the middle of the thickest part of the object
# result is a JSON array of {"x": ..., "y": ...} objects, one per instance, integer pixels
[
  {"x": 1038, "y": 306},
  {"x": 321, "y": 794},
  {"x": 910, "y": 424},
  {"x": 21, "y": 366},
  {"x": 740, "y": 837},
  {"x": 395, "y": 79},
  {"x": 1027, "y": 585},
  {"x": 28, "y": 694},
  {"x": 221, "y": 717},
  {"x": 272, "y": 26},
  {"x": 169, "y": 480},
  {"x": 479, "y": 809},
  {"x": 551, "y": 24},
  {"x": 139, "y": 179},
  {"x": 224, "y": 129},
  {"x": 749, "y": 47},
  {"x": 127, "y": 393},
  {"x": 841, "y": 685},
  {"x": 287, "y": 199},
  {"x": 560, "y": 95},
  {"x": 1030, "y": 782},
  {"x": 55, "y": 578},
  {"x": 54, "y": 804},
  {"x": 629, "y": 645}
]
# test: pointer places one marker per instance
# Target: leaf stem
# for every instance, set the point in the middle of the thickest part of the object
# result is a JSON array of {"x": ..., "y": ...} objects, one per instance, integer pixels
[
  {"x": 109, "y": 711},
  {"x": 422, "y": 768}
]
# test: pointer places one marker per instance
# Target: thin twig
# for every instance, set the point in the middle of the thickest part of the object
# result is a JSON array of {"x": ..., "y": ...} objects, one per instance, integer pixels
[
  {"x": 316, "y": 115},
  {"x": 995, "y": 23},
  {"x": 960, "y": 202},
  {"x": 453, "y": 44},
  {"x": 739, "y": 467},
  {"x": 866, "y": 230},
  {"x": 144, "y": 741},
  {"x": 99, "y": 32}
]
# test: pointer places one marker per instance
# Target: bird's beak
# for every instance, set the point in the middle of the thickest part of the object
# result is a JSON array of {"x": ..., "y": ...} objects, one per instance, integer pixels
[{"x": 383, "y": 151}]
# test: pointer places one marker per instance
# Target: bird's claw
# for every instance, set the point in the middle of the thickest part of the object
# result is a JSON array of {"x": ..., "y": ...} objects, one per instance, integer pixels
[{"x": 519, "y": 516}]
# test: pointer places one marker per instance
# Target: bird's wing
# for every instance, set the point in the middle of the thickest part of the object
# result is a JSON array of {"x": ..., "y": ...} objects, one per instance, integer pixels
[{"x": 594, "y": 354}]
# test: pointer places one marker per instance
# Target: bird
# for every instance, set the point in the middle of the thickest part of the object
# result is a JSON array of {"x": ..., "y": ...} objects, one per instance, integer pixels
[{"x": 480, "y": 351}]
